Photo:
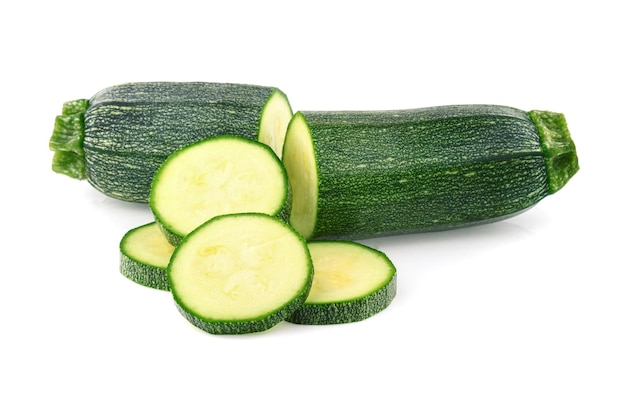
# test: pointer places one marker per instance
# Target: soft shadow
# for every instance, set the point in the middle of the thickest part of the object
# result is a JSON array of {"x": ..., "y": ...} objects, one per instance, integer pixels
[{"x": 511, "y": 229}]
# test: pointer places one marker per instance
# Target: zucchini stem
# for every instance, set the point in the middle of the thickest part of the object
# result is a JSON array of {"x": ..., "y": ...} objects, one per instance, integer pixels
[
  {"x": 67, "y": 140},
  {"x": 557, "y": 146}
]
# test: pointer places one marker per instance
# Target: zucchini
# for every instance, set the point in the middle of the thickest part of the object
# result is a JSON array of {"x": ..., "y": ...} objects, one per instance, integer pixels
[
  {"x": 240, "y": 273},
  {"x": 118, "y": 138},
  {"x": 364, "y": 174},
  {"x": 218, "y": 175},
  {"x": 144, "y": 255},
  {"x": 351, "y": 282}
]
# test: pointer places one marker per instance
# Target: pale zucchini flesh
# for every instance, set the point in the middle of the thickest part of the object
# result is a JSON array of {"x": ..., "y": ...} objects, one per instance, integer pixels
[
  {"x": 351, "y": 282},
  {"x": 240, "y": 273},
  {"x": 275, "y": 117},
  {"x": 301, "y": 165},
  {"x": 144, "y": 256},
  {"x": 216, "y": 176}
]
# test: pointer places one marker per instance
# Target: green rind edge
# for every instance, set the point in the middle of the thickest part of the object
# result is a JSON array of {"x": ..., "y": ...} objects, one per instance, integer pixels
[
  {"x": 144, "y": 274},
  {"x": 172, "y": 237},
  {"x": 346, "y": 311},
  {"x": 557, "y": 146},
  {"x": 67, "y": 140},
  {"x": 140, "y": 272},
  {"x": 244, "y": 326}
]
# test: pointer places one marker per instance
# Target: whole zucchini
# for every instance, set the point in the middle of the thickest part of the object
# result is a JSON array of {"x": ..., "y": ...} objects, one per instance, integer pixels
[
  {"x": 366, "y": 174},
  {"x": 118, "y": 139}
]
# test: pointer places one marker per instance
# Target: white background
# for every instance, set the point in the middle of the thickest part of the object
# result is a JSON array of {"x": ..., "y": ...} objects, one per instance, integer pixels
[{"x": 534, "y": 306}]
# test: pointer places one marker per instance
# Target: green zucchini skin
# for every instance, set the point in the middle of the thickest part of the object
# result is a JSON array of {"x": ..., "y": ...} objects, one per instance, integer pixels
[
  {"x": 244, "y": 327},
  {"x": 119, "y": 138},
  {"x": 144, "y": 274},
  {"x": 396, "y": 172},
  {"x": 135, "y": 267},
  {"x": 345, "y": 311}
]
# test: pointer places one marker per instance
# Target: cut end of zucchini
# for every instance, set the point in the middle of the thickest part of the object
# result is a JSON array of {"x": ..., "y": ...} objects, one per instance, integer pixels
[
  {"x": 67, "y": 140},
  {"x": 557, "y": 146},
  {"x": 144, "y": 256},
  {"x": 351, "y": 282},
  {"x": 301, "y": 165},
  {"x": 219, "y": 175},
  {"x": 275, "y": 117},
  {"x": 240, "y": 273}
]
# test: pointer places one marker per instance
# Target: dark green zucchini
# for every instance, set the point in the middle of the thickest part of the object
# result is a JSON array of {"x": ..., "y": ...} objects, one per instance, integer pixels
[
  {"x": 366, "y": 174},
  {"x": 119, "y": 138}
]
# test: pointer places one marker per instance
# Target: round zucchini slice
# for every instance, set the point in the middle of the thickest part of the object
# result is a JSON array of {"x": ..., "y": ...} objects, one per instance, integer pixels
[
  {"x": 219, "y": 175},
  {"x": 240, "y": 273},
  {"x": 144, "y": 255},
  {"x": 352, "y": 282}
]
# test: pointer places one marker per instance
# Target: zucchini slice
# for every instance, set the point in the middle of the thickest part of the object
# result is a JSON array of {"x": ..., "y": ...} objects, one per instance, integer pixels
[
  {"x": 144, "y": 255},
  {"x": 357, "y": 175},
  {"x": 219, "y": 175},
  {"x": 352, "y": 282},
  {"x": 240, "y": 273},
  {"x": 118, "y": 138}
]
